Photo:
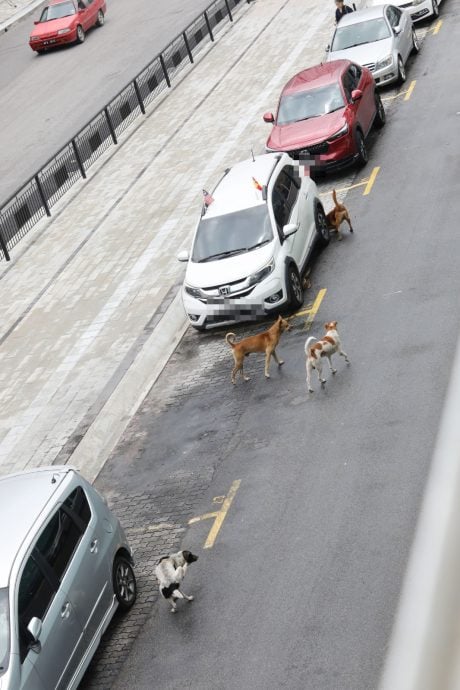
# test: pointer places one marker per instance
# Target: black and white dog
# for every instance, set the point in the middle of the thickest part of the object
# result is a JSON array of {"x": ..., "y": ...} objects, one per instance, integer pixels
[{"x": 170, "y": 572}]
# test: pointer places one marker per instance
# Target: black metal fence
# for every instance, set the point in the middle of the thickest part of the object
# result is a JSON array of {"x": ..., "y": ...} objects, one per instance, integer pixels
[{"x": 35, "y": 199}]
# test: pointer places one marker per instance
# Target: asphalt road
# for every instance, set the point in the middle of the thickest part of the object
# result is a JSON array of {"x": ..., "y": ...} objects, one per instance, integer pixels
[
  {"x": 301, "y": 586},
  {"x": 46, "y": 99}
]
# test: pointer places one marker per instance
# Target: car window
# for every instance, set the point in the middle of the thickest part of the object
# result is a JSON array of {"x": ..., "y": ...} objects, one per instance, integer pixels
[
  {"x": 394, "y": 16},
  {"x": 355, "y": 75},
  {"x": 306, "y": 104},
  {"x": 347, "y": 82},
  {"x": 358, "y": 34},
  {"x": 60, "y": 537},
  {"x": 63, "y": 9},
  {"x": 220, "y": 237},
  {"x": 36, "y": 591},
  {"x": 284, "y": 195}
]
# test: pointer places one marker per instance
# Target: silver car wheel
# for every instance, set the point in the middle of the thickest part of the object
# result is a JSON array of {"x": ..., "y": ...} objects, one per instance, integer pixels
[
  {"x": 124, "y": 583},
  {"x": 401, "y": 71}
]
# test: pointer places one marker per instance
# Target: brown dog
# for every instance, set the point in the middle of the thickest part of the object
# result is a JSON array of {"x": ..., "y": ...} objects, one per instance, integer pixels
[
  {"x": 336, "y": 217},
  {"x": 263, "y": 342}
]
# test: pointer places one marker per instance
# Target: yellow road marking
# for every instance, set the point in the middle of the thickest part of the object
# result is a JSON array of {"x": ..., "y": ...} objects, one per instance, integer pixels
[
  {"x": 371, "y": 181},
  {"x": 437, "y": 27},
  {"x": 218, "y": 515},
  {"x": 346, "y": 189},
  {"x": 410, "y": 89},
  {"x": 311, "y": 310}
]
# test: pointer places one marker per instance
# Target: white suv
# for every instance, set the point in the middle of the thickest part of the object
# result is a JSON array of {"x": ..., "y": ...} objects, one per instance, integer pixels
[{"x": 252, "y": 243}]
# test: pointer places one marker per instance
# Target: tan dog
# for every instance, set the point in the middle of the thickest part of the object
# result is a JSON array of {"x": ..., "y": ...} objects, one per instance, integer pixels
[
  {"x": 326, "y": 347},
  {"x": 263, "y": 342},
  {"x": 337, "y": 216}
]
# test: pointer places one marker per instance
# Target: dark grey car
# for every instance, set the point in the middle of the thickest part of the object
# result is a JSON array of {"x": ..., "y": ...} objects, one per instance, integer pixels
[{"x": 65, "y": 568}]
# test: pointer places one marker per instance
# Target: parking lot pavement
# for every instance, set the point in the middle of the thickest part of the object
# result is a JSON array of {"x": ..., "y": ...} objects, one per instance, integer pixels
[{"x": 91, "y": 306}]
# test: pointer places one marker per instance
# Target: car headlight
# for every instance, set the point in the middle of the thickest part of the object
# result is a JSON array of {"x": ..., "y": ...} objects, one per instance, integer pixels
[
  {"x": 263, "y": 273},
  {"x": 386, "y": 62},
  {"x": 342, "y": 131},
  {"x": 192, "y": 291},
  {"x": 63, "y": 31}
]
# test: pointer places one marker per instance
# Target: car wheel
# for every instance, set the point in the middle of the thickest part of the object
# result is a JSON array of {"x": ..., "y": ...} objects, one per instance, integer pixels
[
  {"x": 80, "y": 34},
  {"x": 415, "y": 43},
  {"x": 294, "y": 286},
  {"x": 380, "y": 115},
  {"x": 361, "y": 149},
  {"x": 435, "y": 9},
  {"x": 401, "y": 71},
  {"x": 124, "y": 583},
  {"x": 100, "y": 18},
  {"x": 322, "y": 230}
]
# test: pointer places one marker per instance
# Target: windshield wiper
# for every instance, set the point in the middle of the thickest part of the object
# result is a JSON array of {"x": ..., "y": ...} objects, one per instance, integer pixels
[
  {"x": 222, "y": 255},
  {"x": 259, "y": 244}
]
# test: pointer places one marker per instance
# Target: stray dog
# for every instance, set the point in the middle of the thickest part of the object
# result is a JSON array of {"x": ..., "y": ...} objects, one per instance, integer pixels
[
  {"x": 170, "y": 572},
  {"x": 336, "y": 217},
  {"x": 263, "y": 342},
  {"x": 326, "y": 347}
]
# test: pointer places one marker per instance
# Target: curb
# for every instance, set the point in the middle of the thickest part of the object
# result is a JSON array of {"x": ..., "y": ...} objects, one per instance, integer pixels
[{"x": 20, "y": 14}]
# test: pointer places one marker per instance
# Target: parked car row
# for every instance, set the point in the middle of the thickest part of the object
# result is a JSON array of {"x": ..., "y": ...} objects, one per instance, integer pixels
[{"x": 257, "y": 229}]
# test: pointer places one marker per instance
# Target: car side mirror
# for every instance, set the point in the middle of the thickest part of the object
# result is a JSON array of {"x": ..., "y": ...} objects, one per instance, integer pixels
[
  {"x": 183, "y": 255},
  {"x": 328, "y": 47},
  {"x": 290, "y": 229},
  {"x": 356, "y": 94},
  {"x": 396, "y": 30},
  {"x": 34, "y": 629},
  {"x": 268, "y": 117}
]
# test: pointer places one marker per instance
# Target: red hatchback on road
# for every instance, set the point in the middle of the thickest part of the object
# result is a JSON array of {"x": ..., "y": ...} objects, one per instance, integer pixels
[
  {"x": 66, "y": 21},
  {"x": 325, "y": 114}
]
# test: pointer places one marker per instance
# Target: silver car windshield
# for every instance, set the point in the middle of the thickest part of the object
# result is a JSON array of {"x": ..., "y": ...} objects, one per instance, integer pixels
[
  {"x": 306, "y": 104},
  {"x": 359, "y": 34},
  {"x": 63, "y": 9},
  {"x": 231, "y": 234},
  {"x": 4, "y": 631}
]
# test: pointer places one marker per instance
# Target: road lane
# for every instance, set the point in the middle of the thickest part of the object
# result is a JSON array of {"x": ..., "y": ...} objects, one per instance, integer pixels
[
  {"x": 46, "y": 99},
  {"x": 301, "y": 586}
]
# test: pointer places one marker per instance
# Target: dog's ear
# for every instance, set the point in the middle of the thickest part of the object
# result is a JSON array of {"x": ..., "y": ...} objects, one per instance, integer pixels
[
  {"x": 189, "y": 557},
  {"x": 326, "y": 326}
]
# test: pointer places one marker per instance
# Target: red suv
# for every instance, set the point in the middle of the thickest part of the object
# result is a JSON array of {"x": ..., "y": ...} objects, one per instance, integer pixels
[{"x": 325, "y": 114}]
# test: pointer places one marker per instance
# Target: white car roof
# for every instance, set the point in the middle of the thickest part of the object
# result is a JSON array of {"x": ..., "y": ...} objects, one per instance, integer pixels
[{"x": 237, "y": 189}]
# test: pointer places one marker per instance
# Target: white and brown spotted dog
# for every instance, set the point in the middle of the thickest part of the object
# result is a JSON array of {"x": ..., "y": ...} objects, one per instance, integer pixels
[
  {"x": 337, "y": 216},
  {"x": 170, "y": 572},
  {"x": 325, "y": 347}
]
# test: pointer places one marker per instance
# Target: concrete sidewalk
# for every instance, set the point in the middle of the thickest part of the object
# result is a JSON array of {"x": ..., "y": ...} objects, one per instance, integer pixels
[
  {"x": 90, "y": 310},
  {"x": 12, "y": 11}
]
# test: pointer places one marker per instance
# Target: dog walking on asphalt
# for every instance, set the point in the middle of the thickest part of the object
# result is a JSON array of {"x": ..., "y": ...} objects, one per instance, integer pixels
[
  {"x": 170, "y": 572},
  {"x": 325, "y": 347}
]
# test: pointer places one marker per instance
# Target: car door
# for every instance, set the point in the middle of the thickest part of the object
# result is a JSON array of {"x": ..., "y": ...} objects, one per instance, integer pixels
[
  {"x": 84, "y": 14},
  {"x": 359, "y": 109},
  {"x": 288, "y": 206},
  {"x": 399, "y": 21},
  {"x": 39, "y": 595},
  {"x": 88, "y": 578}
]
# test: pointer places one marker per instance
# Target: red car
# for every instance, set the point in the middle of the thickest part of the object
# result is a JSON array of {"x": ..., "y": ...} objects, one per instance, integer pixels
[
  {"x": 325, "y": 114},
  {"x": 66, "y": 21}
]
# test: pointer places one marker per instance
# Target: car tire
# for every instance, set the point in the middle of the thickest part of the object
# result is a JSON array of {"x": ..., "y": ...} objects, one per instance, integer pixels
[
  {"x": 362, "y": 154},
  {"x": 322, "y": 230},
  {"x": 294, "y": 287},
  {"x": 100, "y": 18},
  {"x": 80, "y": 34},
  {"x": 435, "y": 8},
  {"x": 380, "y": 115},
  {"x": 415, "y": 43},
  {"x": 124, "y": 583},
  {"x": 401, "y": 71}
]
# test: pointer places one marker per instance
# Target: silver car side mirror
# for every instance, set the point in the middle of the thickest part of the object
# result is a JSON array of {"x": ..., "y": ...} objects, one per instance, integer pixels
[
  {"x": 34, "y": 629},
  {"x": 290, "y": 229}
]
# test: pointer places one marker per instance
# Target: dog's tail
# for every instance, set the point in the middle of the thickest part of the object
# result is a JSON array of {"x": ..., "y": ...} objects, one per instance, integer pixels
[
  {"x": 307, "y": 344},
  {"x": 334, "y": 197},
  {"x": 230, "y": 338}
]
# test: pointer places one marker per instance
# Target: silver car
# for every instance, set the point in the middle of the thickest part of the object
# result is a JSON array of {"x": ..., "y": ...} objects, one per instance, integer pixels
[
  {"x": 380, "y": 38},
  {"x": 65, "y": 567}
]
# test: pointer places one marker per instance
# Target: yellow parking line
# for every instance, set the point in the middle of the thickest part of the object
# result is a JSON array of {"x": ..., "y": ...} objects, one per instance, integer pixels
[
  {"x": 310, "y": 311},
  {"x": 371, "y": 181},
  {"x": 437, "y": 27},
  {"x": 346, "y": 189},
  {"x": 410, "y": 89},
  {"x": 218, "y": 515}
]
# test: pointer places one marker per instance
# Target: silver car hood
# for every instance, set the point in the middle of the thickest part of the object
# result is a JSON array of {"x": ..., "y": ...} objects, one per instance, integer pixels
[{"x": 365, "y": 54}]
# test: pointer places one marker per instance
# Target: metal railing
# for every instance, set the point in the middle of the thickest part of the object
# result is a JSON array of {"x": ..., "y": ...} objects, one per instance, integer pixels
[{"x": 35, "y": 199}]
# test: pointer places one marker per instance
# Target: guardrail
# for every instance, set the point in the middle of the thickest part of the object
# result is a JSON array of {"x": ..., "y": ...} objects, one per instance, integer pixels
[{"x": 35, "y": 199}]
